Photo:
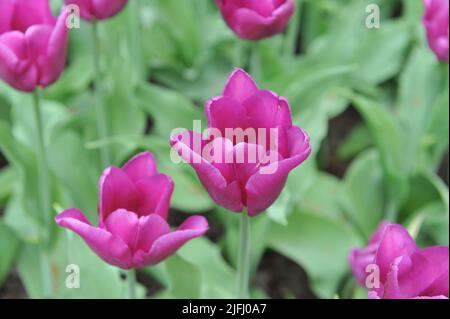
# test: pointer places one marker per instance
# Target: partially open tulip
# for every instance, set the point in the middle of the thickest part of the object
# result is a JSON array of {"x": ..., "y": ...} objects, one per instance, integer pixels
[
  {"x": 403, "y": 271},
  {"x": 133, "y": 231},
  {"x": 98, "y": 9},
  {"x": 435, "y": 21},
  {"x": 33, "y": 44},
  {"x": 250, "y": 149},
  {"x": 256, "y": 19},
  {"x": 360, "y": 258}
]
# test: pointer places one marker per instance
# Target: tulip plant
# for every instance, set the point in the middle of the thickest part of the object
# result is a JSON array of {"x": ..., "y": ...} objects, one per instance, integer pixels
[{"x": 294, "y": 144}]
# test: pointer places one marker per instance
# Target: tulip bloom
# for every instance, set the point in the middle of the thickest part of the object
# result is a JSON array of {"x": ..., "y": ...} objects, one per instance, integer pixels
[
  {"x": 360, "y": 258},
  {"x": 435, "y": 21},
  {"x": 404, "y": 270},
  {"x": 133, "y": 231},
  {"x": 98, "y": 9},
  {"x": 241, "y": 170},
  {"x": 256, "y": 19},
  {"x": 33, "y": 44}
]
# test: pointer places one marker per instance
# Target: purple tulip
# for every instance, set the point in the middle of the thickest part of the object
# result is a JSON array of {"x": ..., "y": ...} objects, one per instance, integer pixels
[
  {"x": 360, "y": 258},
  {"x": 256, "y": 19},
  {"x": 404, "y": 270},
  {"x": 98, "y": 9},
  {"x": 245, "y": 171},
  {"x": 33, "y": 44},
  {"x": 435, "y": 21},
  {"x": 133, "y": 231}
]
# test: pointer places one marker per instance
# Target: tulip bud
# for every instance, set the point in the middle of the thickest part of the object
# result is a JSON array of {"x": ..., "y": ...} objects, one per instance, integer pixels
[
  {"x": 256, "y": 19},
  {"x": 33, "y": 44},
  {"x": 98, "y": 9},
  {"x": 435, "y": 21},
  {"x": 403, "y": 270}
]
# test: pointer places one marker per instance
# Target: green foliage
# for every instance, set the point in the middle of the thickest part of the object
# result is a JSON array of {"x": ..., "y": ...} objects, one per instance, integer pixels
[{"x": 156, "y": 78}]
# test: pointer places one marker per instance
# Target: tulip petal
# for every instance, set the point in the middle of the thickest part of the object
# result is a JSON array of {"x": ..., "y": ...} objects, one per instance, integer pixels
[
  {"x": 41, "y": 14},
  {"x": 425, "y": 274},
  {"x": 141, "y": 166},
  {"x": 116, "y": 191},
  {"x": 123, "y": 224},
  {"x": 6, "y": 15},
  {"x": 151, "y": 227},
  {"x": 266, "y": 184},
  {"x": 55, "y": 58},
  {"x": 85, "y": 7},
  {"x": 154, "y": 193},
  {"x": 225, "y": 113},
  {"x": 240, "y": 86},
  {"x": 265, "y": 110},
  {"x": 166, "y": 245},
  {"x": 37, "y": 37},
  {"x": 15, "y": 69},
  {"x": 359, "y": 259},
  {"x": 108, "y": 247},
  {"x": 104, "y": 9},
  {"x": 250, "y": 25},
  {"x": 396, "y": 242},
  {"x": 247, "y": 158},
  {"x": 224, "y": 193}
]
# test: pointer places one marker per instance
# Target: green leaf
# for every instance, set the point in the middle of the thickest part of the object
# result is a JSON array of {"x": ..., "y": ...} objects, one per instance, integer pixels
[
  {"x": 7, "y": 183},
  {"x": 363, "y": 196},
  {"x": 358, "y": 140},
  {"x": 217, "y": 278},
  {"x": 9, "y": 247},
  {"x": 391, "y": 143},
  {"x": 169, "y": 109},
  {"x": 320, "y": 245},
  {"x": 423, "y": 92},
  {"x": 185, "y": 284}
]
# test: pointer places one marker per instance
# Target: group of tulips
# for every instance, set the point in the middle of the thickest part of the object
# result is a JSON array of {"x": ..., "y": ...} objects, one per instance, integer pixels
[{"x": 134, "y": 199}]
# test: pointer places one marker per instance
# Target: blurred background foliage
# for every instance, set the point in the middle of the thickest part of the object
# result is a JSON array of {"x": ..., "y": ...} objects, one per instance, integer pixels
[{"x": 374, "y": 102}]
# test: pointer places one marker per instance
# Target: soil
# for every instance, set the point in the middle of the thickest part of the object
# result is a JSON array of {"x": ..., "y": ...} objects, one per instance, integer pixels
[{"x": 12, "y": 288}]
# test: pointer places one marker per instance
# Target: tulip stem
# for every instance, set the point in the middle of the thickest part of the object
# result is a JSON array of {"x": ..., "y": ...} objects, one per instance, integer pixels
[
  {"x": 101, "y": 118},
  {"x": 240, "y": 54},
  {"x": 44, "y": 192},
  {"x": 291, "y": 37},
  {"x": 243, "y": 267},
  {"x": 136, "y": 29},
  {"x": 131, "y": 284}
]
